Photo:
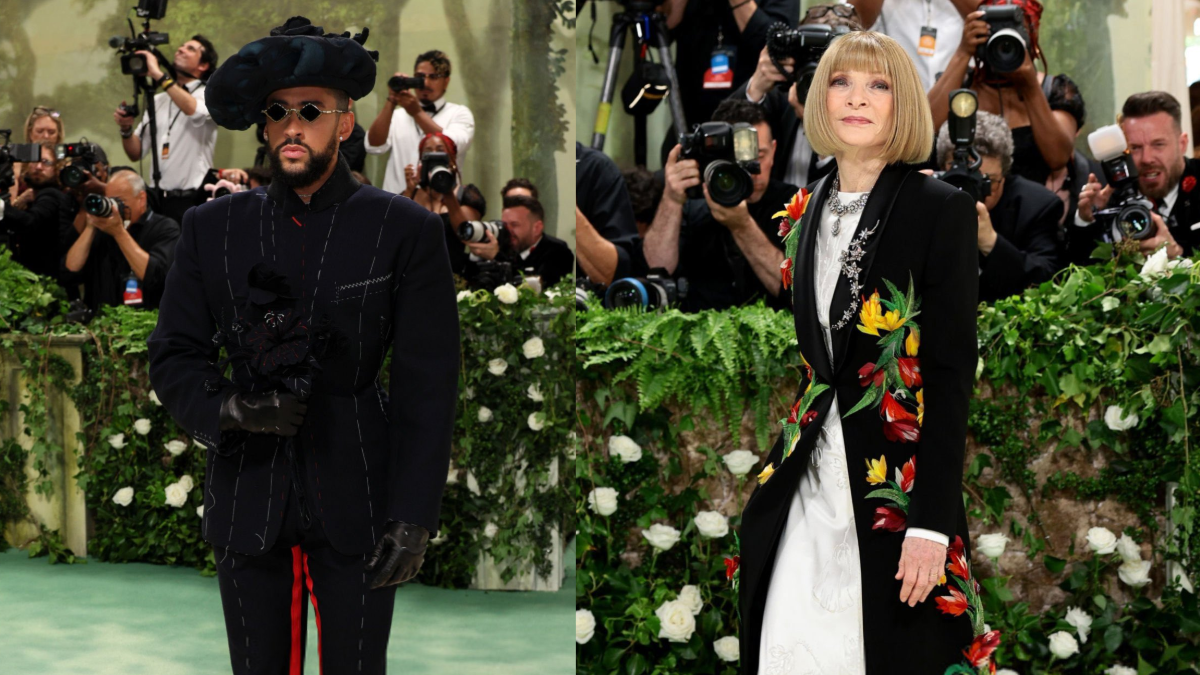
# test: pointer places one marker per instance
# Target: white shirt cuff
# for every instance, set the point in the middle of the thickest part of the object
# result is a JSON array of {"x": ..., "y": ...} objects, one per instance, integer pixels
[
  {"x": 1, "y": 209},
  {"x": 760, "y": 100},
  {"x": 928, "y": 534},
  {"x": 1079, "y": 221}
]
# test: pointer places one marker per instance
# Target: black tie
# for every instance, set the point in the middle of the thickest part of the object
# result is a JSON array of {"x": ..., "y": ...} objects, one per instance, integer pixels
[{"x": 428, "y": 107}]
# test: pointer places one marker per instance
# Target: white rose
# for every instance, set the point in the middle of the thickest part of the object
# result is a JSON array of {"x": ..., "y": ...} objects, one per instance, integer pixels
[
  {"x": 739, "y": 462},
  {"x": 472, "y": 484},
  {"x": 661, "y": 537},
  {"x": 533, "y": 348},
  {"x": 1081, "y": 620},
  {"x": 469, "y": 393},
  {"x": 1135, "y": 573},
  {"x": 497, "y": 366},
  {"x": 603, "y": 500},
  {"x": 154, "y": 398},
  {"x": 536, "y": 421},
  {"x": 490, "y": 530},
  {"x": 991, "y": 545},
  {"x": 1006, "y": 671},
  {"x": 117, "y": 441},
  {"x": 1120, "y": 670},
  {"x": 1185, "y": 263},
  {"x": 176, "y": 495},
  {"x": 551, "y": 294},
  {"x": 690, "y": 597},
  {"x": 676, "y": 620},
  {"x": 1117, "y": 420},
  {"x": 176, "y": 448},
  {"x": 1101, "y": 540},
  {"x": 198, "y": 444},
  {"x": 726, "y": 648},
  {"x": 462, "y": 295},
  {"x": 534, "y": 392},
  {"x": 506, "y": 294},
  {"x": 485, "y": 414},
  {"x": 142, "y": 426},
  {"x": 123, "y": 497},
  {"x": 1109, "y": 303},
  {"x": 712, "y": 524},
  {"x": 187, "y": 482},
  {"x": 585, "y": 626},
  {"x": 1156, "y": 265},
  {"x": 625, "y": 448},
  {"x": 200, "y": 510},
  {"x": 1063, "y": 644},
  {"x": 1129, "y": 549},
  {"x": 440, "y": 538},
  {"x": 452, "y": 475}
]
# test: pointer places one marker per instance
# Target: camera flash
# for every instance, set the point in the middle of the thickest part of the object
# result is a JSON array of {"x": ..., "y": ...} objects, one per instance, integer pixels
[
  {"x": 964, "y": 103},
  {"x": 745, "y": 142}
]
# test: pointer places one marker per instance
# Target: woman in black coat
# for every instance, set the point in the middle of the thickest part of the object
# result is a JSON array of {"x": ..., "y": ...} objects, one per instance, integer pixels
[{"x": 854, "y": 544}]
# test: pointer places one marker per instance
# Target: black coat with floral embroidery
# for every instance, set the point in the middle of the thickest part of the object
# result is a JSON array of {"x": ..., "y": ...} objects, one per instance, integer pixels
[
  {"x": 903, "y": 369},
  {"x": 308, "y": 299}
]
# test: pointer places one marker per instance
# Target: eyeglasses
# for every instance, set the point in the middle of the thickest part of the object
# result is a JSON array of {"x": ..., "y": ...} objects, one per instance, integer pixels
[
  {"x": 844, "y": 11},
  {"x": 41, "y": 109},
  {"x": 44, "y": 162},
  {"x": 309, "y": 112}
]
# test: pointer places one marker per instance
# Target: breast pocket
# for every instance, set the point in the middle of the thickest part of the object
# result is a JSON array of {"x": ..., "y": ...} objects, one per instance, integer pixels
[{"x": 370, "y": 292}]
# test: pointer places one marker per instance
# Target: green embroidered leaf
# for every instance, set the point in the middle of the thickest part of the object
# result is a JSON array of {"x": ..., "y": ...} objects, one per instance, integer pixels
[
  {"x": 870, "y": 396},
  {"x": 896, "y": 496},
  {"x": 817, "y": 390}
]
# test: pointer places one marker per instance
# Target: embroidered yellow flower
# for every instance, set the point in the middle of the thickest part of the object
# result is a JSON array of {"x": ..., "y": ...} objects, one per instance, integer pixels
[
  {"x": 920, "y": 407},
  {"x": 912, "y": 343},
  {"x": 942, "y": 581},
  {"x": 872, "y": 318},
  {"x": 766, "y": 473},
  {"x": 877, "y": 470}
]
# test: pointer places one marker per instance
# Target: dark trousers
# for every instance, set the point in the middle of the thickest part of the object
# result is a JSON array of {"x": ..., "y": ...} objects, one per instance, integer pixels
[{"x": 265, "y": 603}]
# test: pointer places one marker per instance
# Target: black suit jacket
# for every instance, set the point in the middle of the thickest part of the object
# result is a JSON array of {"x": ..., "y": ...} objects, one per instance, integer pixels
[
  {"x": 1026, "y": 252},
  {"x": 924, "y": 231},
  {"x": 41, "y": 233},
  {"x": 1186, "y": 210},
  {"x": 551, "y": 259},
  {"x": 374, "y": 266}
]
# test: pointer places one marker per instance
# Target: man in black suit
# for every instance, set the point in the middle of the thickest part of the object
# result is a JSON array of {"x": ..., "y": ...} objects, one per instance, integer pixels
[
  {"x": 541, "y": 254},
  {"x": 1018, "y": 221},
  {"x": 307, "y": 283}
]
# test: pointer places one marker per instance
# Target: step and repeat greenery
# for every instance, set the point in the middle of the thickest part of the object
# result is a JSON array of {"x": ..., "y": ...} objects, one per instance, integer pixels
[
  {"x": 1102, "y": 362},
  {"x": 143, "y": 475}
]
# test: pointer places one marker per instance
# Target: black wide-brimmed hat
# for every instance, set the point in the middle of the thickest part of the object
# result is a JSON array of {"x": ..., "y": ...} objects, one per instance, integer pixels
[{"x": 296, "y": 54}]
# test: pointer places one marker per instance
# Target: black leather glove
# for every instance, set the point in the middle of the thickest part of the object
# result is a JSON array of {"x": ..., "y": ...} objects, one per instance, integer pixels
[
  {"x": 263, "y": 413},
  {"x": 399, "y": 554}
]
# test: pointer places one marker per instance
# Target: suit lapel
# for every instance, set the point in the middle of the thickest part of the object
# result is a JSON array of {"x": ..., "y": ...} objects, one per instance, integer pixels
[
  {"x": 804, "y": 300},
  {"x": 846, "y": 301}
]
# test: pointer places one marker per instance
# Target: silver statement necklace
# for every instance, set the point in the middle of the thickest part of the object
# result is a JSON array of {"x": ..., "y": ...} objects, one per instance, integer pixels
[{"x": 839, "y": 209}]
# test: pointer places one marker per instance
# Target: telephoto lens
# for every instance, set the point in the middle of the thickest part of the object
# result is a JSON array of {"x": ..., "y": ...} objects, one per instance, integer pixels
[
  {"x": 472, "y": 230},
  {"x": 101, "y": 206},
  {"x": 652, "y": 292},
  {"x": 398, "y": 83}
]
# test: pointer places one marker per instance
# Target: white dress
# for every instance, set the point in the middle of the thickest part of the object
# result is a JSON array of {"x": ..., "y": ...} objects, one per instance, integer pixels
[{"x": 812, "y": 623}]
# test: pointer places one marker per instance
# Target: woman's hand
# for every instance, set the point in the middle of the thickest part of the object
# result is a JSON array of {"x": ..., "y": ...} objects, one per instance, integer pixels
[
  {"x": 975, "y": 33},
  {"x": 922, "y": 564}
]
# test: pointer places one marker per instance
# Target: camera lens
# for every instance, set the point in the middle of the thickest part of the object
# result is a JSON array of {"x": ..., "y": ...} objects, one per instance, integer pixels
[
  {"x": 728, "y": 183},
  {"x": 72, "y": 176},
  {"x": 804, "y": 80},
  {"x": 1134, "y": 222},
  {"x": 98, "y": 205},
  {"x": 627, "y": 293},
  {"x": 441, "y": 180},
  {"x": 1005, "y": 51}
]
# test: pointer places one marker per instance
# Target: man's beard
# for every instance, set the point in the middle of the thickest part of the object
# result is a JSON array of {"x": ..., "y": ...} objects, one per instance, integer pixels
[
  {"x": 1173, "y": 175},
  {"x": 311, "y": 172},
  {"x": 40, "y": 181}
]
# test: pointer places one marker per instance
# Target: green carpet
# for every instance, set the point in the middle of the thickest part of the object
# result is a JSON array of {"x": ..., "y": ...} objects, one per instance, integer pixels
[{"x": 130, "y": 619}]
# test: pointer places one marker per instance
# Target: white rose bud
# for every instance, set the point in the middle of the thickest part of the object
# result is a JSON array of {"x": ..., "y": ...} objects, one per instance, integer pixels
[
  {"x": 661, "y": 537},
  {"x": 469, "y": 393},
  {"x": 154, "y": 398},
  {"x": 1117, "y": 420},
  {"x": 534, "y": 392},
  {"x": 176, "y": 448},
  {"x": 176, "y": 495},
  {"x": 187, "y": 482},
  {"x": 485, "y": 414},
  {"x": 585, "y": 626},
  {"x": 462, "y": 295},
  {"x": 551, "y": 294},
  {"x": 690, "y": 597},
  {"x": 603, "y": 500},
  {"x": 712, "y": 524},
  {"x": 506, "y": 294},
  {"x": 1119, "y": 669},
  {"x": 536, "y": 421},
  {"x": 200, "y": 510},
  {"x": 490, "y": 530},
  {"x": 117, "y": 441},
  {"x": 1081, "y": 620},
  {"x": 625, "y": 448},
  {"x": 739, "y": 462},
  {"x": 1156, "y": 265},
  {"x": 497, "y": 366},
  {"x": 123, "y": 497},
  {"x": 472, "y": 484},
  {"x": 1129, "y": 550},
  {"x": 1101, "y": 540},
  {"x": 991, "y": 545},
  {"x": 726, "y": 648},
  {"x": 1135, "y": 573},
  {"x": 676, "y": 620},
  {"x": 441, "y": 537},
  {"x": 533, "y": 348},
  {"x": 142, "y": 426},
  {"x": 1063, "y": 644},
  {"x": 452, "y": 475}
]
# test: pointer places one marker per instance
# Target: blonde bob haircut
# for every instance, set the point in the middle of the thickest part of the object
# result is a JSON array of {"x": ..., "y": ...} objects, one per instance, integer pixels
[{"x": 911, "y": 132}]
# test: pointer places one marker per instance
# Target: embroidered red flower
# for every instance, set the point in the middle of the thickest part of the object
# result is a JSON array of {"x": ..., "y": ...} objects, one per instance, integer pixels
[
  {"x": 954, "y": 604},
  {"x": 1189, "y": 182},
  {"x": 908, "y": 474},
  {"x": 867, "y": 375},
  {"x": 958, "y": 565},
  {"x": 784, "y": 228},
  {"x": 808, "y": 418},
  {"x": 731, "y": 566},
  {"x": 981, "y": 649},
  {"x": 910, "y": 371},
  {"x": 795, "y": 411},
  {"x": 898, "y": 423},
  {"x": 785, "y": 272},
  {"x": 889, "y": 518},
  {"x": 799, "y": 203}
]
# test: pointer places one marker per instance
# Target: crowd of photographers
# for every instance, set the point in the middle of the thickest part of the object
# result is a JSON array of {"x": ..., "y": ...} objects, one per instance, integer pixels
[
  {"x": 697, "y": 234},
  {"x": 106, "y": 233}
]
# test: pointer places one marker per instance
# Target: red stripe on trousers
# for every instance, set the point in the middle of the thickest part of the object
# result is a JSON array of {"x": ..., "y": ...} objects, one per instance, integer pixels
[
  {"x": 297, "y": 656},
  {"x": 317, "y": 611}
]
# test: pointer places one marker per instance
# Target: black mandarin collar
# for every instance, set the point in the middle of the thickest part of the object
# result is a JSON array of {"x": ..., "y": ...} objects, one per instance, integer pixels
[{"x": 337, "y": 189}]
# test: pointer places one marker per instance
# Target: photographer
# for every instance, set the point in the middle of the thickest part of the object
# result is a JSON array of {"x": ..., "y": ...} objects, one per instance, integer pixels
[
  {"x": 123, "y": 258},
  {"x": 43, "y": 125},
  {"x": 795, "y": 162},
  {"x": 729, "y": 255},
  {"x": 929, "y": 30},
  {"x": 405, "y": 118},
  {"x": 1151, "y": 122},
  {"x": 186, "y": 134},
  {"x": 1018, "y": 221},
  {"x": 539, "y": 254},
  {"x": 606, "y": 238},
  {"x": 1042, "y": 137},
  {"x": 38, "y": 221}
]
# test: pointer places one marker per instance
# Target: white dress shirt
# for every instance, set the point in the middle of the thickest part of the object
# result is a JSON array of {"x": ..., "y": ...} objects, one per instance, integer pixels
[
  {"x": 192, "y": 139},
  {"x": 404, "y": 135},
  {"x": 902, "y": 20}
]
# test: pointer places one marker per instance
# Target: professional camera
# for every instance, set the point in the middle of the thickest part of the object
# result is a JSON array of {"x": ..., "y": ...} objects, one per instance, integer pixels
[
  {"x": 83, "y": 158},
  {"x": 727, "y": 155},
  {"x": 653, "y": 291},
  {"x": 1008, "y": 41},
  {"x": 436, "y": 174},
  {"x": 130, "y": 109},
  {"x": 492, "y": 273},
  {"x": 134, "y": 64},
  {"x": 397, "y": 83},
  {"x": 15, "y": 152},
  {"x": 805, "y": 44},
  {"x": 103, "y": 207},
  {"x": 1130, "y": 217},
  {"x": 473, "y": 231},
  {"x": 964, "y": 172}
]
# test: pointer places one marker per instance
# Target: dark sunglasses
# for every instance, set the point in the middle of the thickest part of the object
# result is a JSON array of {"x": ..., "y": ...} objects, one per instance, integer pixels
[
  {"x": 844, "y": 11},
  {"x": 309, "y": 112}
]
